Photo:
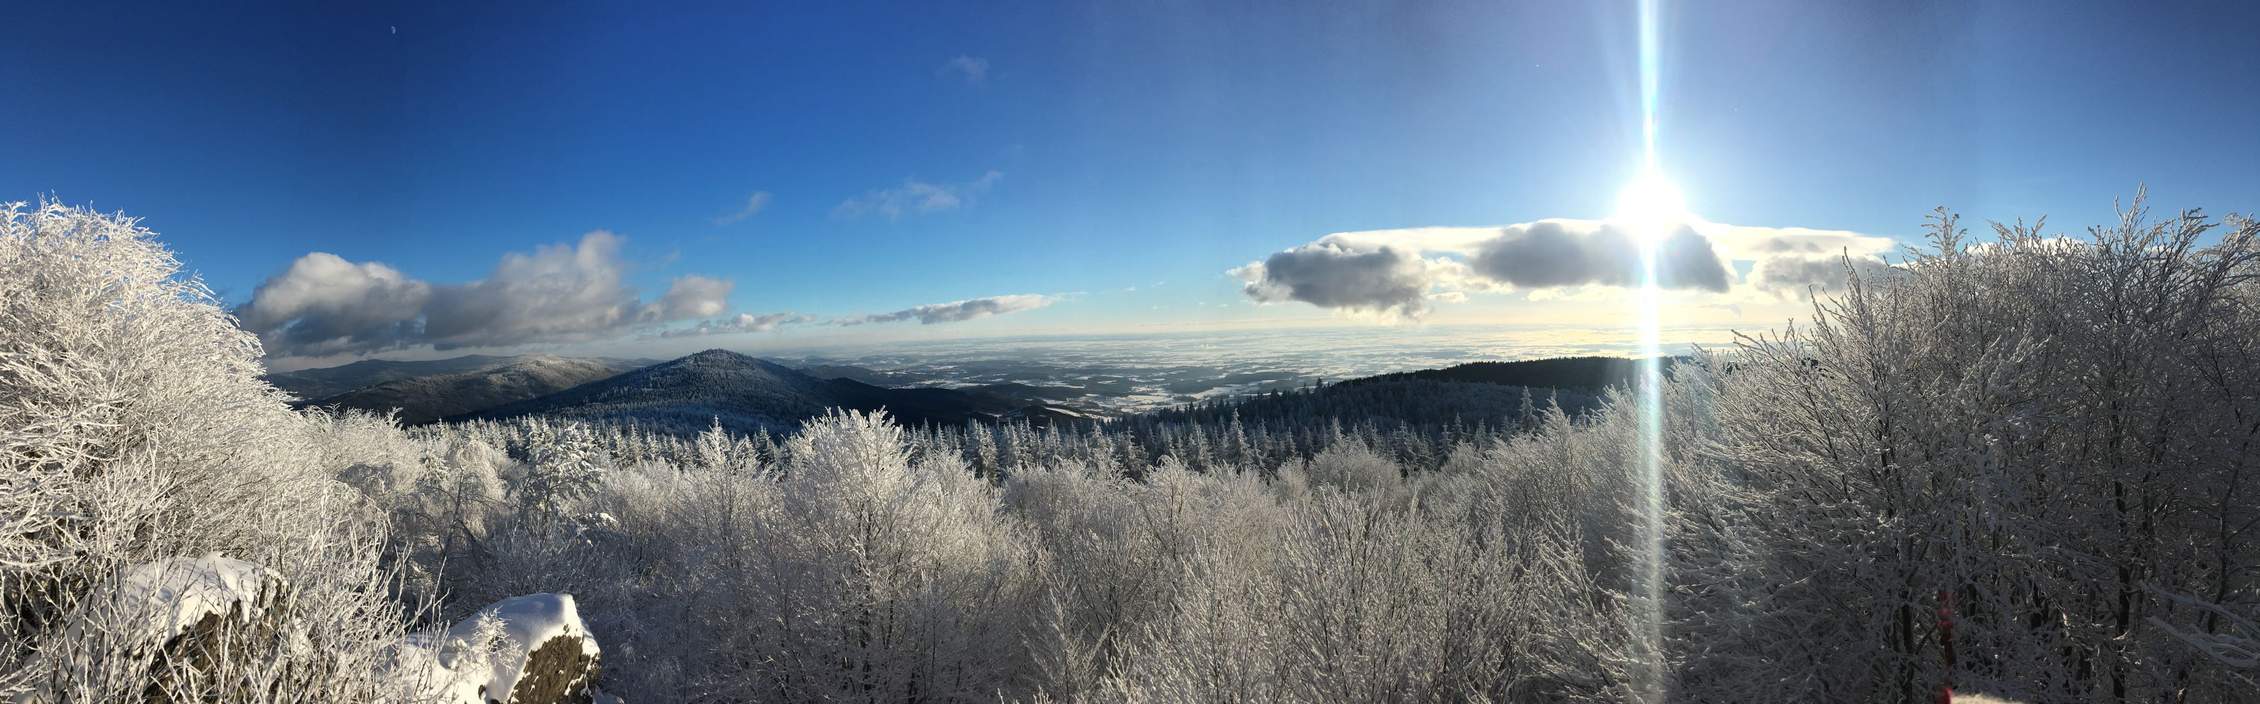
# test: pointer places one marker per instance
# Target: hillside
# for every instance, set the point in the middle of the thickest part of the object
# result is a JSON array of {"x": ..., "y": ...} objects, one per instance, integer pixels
[
  {"x": 1490, "y": 393},
  {"x": 1588, "y": 374},
  {"x": 1391, "y": 402},
  {"x": 310, "y": 384},
  {"x": 424, "y": 399},
  {"x": 746, "y": 394}
]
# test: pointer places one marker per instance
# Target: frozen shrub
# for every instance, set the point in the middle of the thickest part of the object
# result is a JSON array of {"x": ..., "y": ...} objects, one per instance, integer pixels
[
  {"x": 2034, "y": 437},
  {"x": 1353, "y": 468},
  {"x": 562, "y": 467},
  {"x": 877, "y": 577},
  {"x": 369, "y": 453},
  {"x": 137, "y": 430}
]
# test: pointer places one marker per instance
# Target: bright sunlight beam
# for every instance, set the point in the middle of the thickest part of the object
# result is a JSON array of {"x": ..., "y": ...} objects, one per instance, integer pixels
[{"x": 1651, "y": 208}]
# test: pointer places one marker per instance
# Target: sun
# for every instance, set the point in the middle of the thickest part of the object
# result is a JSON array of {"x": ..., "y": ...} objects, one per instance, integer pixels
[{"x": 1650, "y": 207}]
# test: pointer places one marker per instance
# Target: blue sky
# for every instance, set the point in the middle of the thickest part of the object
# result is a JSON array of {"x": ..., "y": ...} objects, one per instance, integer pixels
[{"x": 1083, "y": 148}]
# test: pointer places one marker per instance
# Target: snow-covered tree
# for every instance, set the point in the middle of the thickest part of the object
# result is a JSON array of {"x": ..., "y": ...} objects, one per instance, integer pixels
[
  {"x": 133, "y": 430},
  {"x": 562, "y": 467}
]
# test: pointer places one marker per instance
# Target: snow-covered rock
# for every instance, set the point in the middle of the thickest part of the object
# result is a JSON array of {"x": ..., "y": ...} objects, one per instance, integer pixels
[
  {"x": 159, "y": 600},
  {"x": 530, "y": 649},
  {"x": 172, "y": 616}
]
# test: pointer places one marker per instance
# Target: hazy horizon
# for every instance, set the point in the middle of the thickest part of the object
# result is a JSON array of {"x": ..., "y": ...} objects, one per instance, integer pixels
[{"x": 1411, "y": 347}]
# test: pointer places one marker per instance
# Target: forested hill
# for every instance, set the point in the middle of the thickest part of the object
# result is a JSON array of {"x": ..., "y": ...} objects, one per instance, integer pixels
[
  {"x": 744, "y": 394},
  {"x": 424, "y": 399},
  {"x": 1586, "y": 374},
  {"x": 1493, "y": 394},
  {"x": 316, "y": 386},
  {"x": 311, "y": 384}
]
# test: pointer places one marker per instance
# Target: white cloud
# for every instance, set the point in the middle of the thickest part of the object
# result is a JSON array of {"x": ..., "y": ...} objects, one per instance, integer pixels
[
  {"x": 742, "y": 323},
  {"x": 1453, "y": 240},
  {"x": 916, "y": 196},
  {"x": 1794, "y": 262},
  {"x": 558, "y": 292},
  {"x": 691, "y": 296},
  {"x": 972, "y": 69},
  {"x": 1802, "y": 276},
  {"x": 957, "y": 311},
  {"x": 1743, "y": 243},
  {"x": 753, "y": 205},
  {"x": 325, "y": 305}
]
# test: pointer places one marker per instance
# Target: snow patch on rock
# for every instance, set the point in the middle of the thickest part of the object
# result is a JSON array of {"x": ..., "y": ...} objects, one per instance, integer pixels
[
  {"x": 158, "y": 600},
  {"x": 525, "y": 646}
]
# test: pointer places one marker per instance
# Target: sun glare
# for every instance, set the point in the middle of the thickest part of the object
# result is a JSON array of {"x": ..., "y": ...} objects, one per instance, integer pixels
[{"x": 1650, "y": 207}]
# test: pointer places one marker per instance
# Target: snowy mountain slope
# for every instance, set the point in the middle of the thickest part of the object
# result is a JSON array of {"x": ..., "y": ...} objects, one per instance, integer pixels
[
  {"x": 310, "y": 384},
  {"x": 424, "y": 399}
]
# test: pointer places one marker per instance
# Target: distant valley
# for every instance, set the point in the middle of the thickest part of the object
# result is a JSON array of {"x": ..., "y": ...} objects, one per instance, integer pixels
[{"x": 747, "y": 394}]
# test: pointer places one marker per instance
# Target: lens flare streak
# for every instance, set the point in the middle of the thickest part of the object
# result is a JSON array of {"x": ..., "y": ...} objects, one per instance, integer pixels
[{"x": 1653, "y": 209}]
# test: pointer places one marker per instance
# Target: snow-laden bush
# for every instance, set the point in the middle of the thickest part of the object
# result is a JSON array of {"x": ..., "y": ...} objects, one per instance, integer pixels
[
  {"x": 1351, "y": 467},
  {"x": 134, "y": 429},
  {"x": 2035, "y": 437},
  {"x": 853, "y": 571},
  {"x": 1115, "y": 557},
  {"x": 873, "y": 577},
  {"x": 1352, "y": 601}
]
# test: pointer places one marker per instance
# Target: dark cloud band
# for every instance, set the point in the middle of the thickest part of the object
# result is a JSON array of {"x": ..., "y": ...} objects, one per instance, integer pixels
[
  {"x": 1334, "y": 275},
  {"x": 1554, "y": 253},
  {"x": 1390, "y": 272}
]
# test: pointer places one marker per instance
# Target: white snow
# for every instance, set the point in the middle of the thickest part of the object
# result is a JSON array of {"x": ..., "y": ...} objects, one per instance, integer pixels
[
  {"x": 158, "y": 600},
  {"x": 528, "y": 621},
  {"x": 487, "y": 652},
  {"x": 419, "y": 661}
]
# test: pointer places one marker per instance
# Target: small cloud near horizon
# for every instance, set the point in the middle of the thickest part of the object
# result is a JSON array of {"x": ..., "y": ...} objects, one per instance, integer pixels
[
  {"x": 958, "y": 311},
  {"x": 742, "y": 323},
  {"x": 928, "y": 314}
]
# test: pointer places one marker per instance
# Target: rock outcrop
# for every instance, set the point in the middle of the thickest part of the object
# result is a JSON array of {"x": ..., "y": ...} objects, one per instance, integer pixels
[{"x": 530, "y": 649}]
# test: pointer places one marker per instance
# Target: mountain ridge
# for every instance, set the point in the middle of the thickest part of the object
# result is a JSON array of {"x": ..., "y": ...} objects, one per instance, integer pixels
[
  {"x": 744, "y": 393},
  {"x": 424, "y": 399},
  {"x": 323, "y": 382}
]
